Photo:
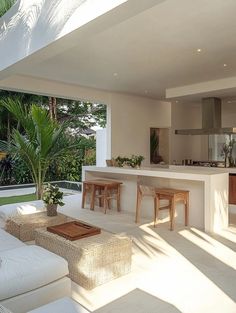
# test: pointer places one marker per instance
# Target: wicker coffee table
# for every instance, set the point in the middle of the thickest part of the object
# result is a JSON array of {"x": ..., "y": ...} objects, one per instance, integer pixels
[
  {"x": 23, "y": 226},
  {"x": 92, "y": 261}
]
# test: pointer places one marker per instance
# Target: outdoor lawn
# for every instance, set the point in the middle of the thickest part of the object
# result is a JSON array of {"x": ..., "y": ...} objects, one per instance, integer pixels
[{"x": 17, "y": 199}]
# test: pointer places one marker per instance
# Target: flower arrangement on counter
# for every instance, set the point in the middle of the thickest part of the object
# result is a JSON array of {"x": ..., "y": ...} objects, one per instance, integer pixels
[{"x": 135, "y": 161}]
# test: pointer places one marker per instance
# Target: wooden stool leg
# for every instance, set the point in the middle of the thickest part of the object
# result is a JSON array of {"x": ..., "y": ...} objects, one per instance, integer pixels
[
  {"x": 156, "y": 209},
  {"x": 83, "y": 195},
  {"x": 100, "y": 198},
  {"x": 138, "y": 204},
  {"x": 109, "y": 198},
  {"x": 106, "y": 204},
  {"x": 187, "y": 210},
  {"x": 118, "y": 198},
  {"x": 172, "y": 214},
  {"x": 92, "y": 198}
]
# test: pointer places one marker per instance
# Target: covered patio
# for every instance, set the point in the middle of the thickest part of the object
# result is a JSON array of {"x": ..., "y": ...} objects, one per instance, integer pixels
[{"x": 144, "y": 61}]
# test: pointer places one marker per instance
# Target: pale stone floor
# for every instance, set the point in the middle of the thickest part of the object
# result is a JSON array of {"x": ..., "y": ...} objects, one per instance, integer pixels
[{"x": 185, "y": 271}]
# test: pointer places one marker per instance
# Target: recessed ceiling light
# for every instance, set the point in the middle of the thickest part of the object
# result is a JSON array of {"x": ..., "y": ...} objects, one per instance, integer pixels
[
  {"x": 224, "y": 64},
  {"x": 115, "y": 74},
  {"x": 199, "y": 50},
  {"x": 146, "y": 91}
]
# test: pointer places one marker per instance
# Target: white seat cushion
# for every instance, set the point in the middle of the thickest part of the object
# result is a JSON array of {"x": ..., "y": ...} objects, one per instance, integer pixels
[
  {"x": 64, "y": 305},
  {"x": 8, "y": 242},
  {"x": 27, "y": 268},
  {"x": 2, "y": 223},
  {"x": 13, "y": 209}
]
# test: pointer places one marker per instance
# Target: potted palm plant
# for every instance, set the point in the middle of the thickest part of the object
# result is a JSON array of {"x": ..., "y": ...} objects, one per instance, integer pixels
[{"x": 52, "y": 196}]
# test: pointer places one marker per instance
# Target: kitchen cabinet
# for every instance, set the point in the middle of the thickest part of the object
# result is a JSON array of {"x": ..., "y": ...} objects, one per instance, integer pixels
[{"x": 232, "y": 188}]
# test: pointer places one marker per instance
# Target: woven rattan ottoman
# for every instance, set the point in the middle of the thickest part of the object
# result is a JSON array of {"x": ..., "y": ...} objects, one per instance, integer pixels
[
  {"x": 23, "y": 226},
  {"x": 92, "y": 261}
]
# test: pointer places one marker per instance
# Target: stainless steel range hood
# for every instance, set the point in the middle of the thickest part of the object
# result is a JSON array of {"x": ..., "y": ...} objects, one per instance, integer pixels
[{"x": 211, "y": 120}]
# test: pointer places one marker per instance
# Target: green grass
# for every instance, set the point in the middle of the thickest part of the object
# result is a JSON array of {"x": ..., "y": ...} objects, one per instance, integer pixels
[{"x": 17, "y": 199}]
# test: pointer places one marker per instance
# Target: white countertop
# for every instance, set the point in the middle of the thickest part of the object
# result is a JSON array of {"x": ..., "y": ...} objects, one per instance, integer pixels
[
  {"x": 217, "y": 169},
  {"x": 176, "y": 172}
]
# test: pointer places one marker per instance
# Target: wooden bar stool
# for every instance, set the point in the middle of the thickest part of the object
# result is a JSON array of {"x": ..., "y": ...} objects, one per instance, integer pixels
[
  {"x": 174, "y": 196},
  {"x": 146, "y": 191},
  {"x": 104, "y": 190}
]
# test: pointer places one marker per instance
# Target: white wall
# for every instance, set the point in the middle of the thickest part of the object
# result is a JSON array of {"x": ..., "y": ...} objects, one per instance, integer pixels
[
  {"x": 228, "y": 114},
  {"x": 131, "y": 120}
]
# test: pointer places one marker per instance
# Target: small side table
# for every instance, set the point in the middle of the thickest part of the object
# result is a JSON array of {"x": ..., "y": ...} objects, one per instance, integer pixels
[{"x": 23, "y": 226}]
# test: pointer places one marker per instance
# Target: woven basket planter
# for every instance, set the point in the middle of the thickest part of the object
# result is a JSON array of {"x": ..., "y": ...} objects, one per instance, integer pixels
[{"x": 51, "y": 209}]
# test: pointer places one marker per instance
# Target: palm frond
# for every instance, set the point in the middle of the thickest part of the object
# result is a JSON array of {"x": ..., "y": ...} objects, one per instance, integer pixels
[
  {"x": 5, "y": 5},
  {"x": 26, "y": 150}
]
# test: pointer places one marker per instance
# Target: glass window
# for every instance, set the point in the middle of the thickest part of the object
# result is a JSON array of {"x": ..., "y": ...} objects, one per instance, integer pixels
[{"x": 215, "y": 146}]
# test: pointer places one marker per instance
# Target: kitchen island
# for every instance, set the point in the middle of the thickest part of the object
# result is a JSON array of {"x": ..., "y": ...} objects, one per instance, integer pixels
[{"x": 208, "y": 191}]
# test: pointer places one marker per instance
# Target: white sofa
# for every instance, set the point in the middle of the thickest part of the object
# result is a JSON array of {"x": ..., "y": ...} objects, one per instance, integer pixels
[
  {"x": 30, "y": 207},
  {"x": 64, "y": 305},
  {"x": 13, "y": 209},
  {"x": 30, "y": 276}
]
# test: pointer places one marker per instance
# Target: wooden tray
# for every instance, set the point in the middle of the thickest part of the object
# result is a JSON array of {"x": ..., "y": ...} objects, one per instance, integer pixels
[{"x": 74, "y": 230}]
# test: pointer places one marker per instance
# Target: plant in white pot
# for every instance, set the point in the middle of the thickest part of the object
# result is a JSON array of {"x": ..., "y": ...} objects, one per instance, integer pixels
[{"x": 52, "y": 196}]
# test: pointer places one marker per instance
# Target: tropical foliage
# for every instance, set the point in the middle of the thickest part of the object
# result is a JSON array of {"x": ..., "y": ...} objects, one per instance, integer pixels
[
  {"x": 79, "y": 115},
  {"x": 41, "y": 143},
  {"x": 76, "y": 117},
  {"x": 5, "y": 5}
]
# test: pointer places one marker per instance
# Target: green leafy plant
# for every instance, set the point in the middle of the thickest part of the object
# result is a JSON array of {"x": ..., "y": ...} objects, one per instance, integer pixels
[
  {"x": 52, "y": 195},
  {"x": 134, "y": 161},
  {"x": 154, "y": 143}
]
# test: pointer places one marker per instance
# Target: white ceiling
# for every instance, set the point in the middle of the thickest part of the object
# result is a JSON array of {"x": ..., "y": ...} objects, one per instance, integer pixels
[{"x": 152, "y": 51}]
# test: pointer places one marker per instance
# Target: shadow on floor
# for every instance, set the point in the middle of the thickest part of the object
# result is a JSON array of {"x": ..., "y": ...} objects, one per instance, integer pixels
[
  {"x": 138, "y": 301},
  {"x": 221, "y": 274}
]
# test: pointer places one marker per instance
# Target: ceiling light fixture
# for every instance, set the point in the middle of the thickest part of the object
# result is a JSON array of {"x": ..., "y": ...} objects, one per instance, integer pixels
[
  {"x": 146, "y": 91},
  {"x": 199, "y": 50},
  {"x": 115, "y": 74},
  {"x": 224, "y": 64}
]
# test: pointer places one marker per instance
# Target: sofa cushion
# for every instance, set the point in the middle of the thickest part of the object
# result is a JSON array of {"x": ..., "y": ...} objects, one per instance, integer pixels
[
  {"x": 27, "y": 268},
  {"x": 8, "y": 241},
  {"x": 64, "y": 305},
  {"x": 2, "y": 223},
  {"x": 9, "y": 210},
  {"x": 4, "y": 310}
]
